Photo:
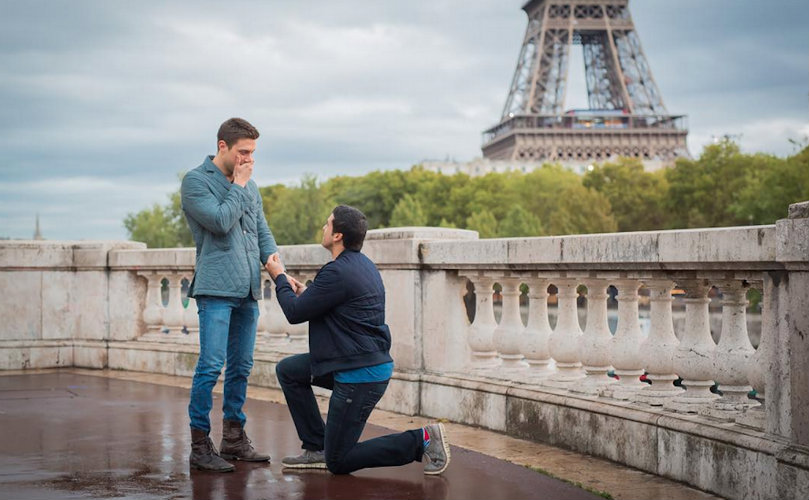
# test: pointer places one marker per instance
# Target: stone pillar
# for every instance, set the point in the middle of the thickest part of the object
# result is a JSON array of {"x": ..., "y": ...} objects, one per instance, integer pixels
[
  {"x": 191, "y": 320},
  {"x": 508, "y": 334},
  {"x": 535, "y": 339},
  {"x": 481, "y": 332},
  {"x": 625, "y": 345},
  {"x": 263, "y": 327},
  {"x": 758, "y": 367},
  {"x": 657, "y": 351},
  {"x": 277, "y": 324},
  {"x": 787, "y": 384},
  {"x": 153, "y": 313},
  {"x": 564, "y": 342},
  {"x": 693, "y": 359},
  {"x": 299, "y": 334},
  {"x": 175, "y": 313},
  {"x": 596, "y": 340},
  {"x": 733, "y": 354}
]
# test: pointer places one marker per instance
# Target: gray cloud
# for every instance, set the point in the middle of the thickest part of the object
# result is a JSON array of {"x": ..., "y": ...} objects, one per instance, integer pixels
[{"x": 104, "y": 104}]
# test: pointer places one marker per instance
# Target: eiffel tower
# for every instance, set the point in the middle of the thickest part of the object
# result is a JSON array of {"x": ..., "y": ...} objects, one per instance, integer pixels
[{"x": 626, "y": 115}]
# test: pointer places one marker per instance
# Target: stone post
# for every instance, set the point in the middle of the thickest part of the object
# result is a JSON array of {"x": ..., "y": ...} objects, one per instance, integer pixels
[
  {"x": 596, "y": 340},
  {"x": 481, "y": 332},
  {"x": 153, "y": 313},
  {"x": 174, "y": 316},
  {"x": 263, "y": 327},
  {"x": 277, "y": 324},
  {"x": 192, "y": 320},
  {"x": 625, "y": 345},
  {"x": 732, "y": 354},
  {"x": 535, "y": 339},
  {"x": 787, "y": 383},
  {"x": 657, "y": 351},
  {"x": 299, "y": 334},
  {"x": 564, "y": 342},
  {"x": 693, "y": 359},
  {"x": 508, "y": 334},
  {"x": 758, "y": 366}
]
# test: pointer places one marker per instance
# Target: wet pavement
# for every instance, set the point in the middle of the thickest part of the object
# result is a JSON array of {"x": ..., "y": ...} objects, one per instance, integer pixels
[{"x": 64, "y": 435}]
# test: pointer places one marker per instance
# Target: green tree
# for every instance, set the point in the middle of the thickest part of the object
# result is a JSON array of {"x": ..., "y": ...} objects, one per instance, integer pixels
[
  {"x": 636, "y": 197},
  {"x": 153, "y": 226},
  {"x": 484, "y": 223},
  {"x": 707, "y": 192},
  {"x": 770, "y": 189},
  {"x": 558, "y": 199},
  {"x": 296, "y": 215},
  {"x": 161, "y": 226},
  {"x": 408, "y": 212},
  {"x": 519, "y": 222}
]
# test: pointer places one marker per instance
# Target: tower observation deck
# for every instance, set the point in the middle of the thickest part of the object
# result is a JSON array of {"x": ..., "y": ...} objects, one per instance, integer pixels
[{"x": 626, "y": 115}]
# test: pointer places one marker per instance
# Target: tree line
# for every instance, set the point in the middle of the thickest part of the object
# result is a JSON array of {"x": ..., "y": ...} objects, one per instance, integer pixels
[{"x": 722, "y": 187}]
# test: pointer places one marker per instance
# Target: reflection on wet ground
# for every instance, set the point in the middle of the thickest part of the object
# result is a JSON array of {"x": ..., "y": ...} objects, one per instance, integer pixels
[{"x": 65, "y": 435}]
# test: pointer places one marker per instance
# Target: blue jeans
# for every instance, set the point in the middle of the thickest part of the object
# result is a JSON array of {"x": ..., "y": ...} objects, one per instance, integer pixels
[
  {"x": 227, "y": 330},
  {"x": 349, "y": 408}
]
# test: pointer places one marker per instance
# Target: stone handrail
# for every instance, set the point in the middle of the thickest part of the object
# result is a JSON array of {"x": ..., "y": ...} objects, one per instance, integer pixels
[{"x": 120, "y": 305}]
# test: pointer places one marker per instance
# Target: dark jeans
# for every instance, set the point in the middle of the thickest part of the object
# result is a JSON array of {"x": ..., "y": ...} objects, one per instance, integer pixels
[{"x": 349, "y": 408}]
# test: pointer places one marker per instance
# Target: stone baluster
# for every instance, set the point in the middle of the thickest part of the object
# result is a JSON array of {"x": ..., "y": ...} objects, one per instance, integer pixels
[
  {"x": 625, "y": 345},
  {"x": 175, "y": 313},
  {"x": 732, "y": 354},
  {"x": 481, "y": 331},
  {"x": 191, "y": 317},
  {"x": 596, "y": 340},
  {"x": 299, "y": 334},
  {"x": 508, "y": 334},
  {"x": 534, "y": 344},
  {"x": 657, "y": 351},
  {"x": 693, "y": 359},
  {"x": 263, "y": 326},
  {"x": 153, "y": 313},
  {"x": 754, "y": 416},
  {"x": 277, "y": 324},
  {"x": 564, "y": 341}
]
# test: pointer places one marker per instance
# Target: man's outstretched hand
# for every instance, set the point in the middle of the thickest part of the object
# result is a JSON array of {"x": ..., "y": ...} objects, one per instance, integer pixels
[
  {"x": 297, "y": 286},
  {"x": 274, "y": 266}
]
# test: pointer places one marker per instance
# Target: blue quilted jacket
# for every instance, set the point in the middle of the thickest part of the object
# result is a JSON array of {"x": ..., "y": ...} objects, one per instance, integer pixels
[{"x": 230, "y": 232}]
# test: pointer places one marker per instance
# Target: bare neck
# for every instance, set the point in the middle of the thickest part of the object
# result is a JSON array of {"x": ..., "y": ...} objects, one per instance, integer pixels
[
  {"x": 336, "y": 250},
  {"x": 220, "y": 164}
]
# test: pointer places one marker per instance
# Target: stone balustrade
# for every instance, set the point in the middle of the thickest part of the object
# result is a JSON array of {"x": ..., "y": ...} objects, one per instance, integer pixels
[{"x": 672, "y": 401}]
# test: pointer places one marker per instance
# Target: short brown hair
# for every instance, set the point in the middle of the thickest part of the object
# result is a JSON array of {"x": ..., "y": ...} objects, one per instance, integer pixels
[{"x": 234, "y": 129}]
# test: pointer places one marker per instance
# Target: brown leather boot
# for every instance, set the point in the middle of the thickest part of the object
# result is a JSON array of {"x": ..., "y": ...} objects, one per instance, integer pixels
[
  {"x": 236, "y": 445},
  {"x": 203, "y": 453}
]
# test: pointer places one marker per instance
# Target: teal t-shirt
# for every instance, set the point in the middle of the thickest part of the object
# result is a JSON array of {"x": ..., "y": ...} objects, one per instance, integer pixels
[{"x": 366, "y": 374}]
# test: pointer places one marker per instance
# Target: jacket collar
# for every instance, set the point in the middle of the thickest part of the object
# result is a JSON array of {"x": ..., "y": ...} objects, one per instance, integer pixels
[
  {"x": 346, "y": 251},
  {"x": 217, "y": 174}
]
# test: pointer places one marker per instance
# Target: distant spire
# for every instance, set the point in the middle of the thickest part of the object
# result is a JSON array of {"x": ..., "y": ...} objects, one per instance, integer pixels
[{"x": 37, "y": 232}]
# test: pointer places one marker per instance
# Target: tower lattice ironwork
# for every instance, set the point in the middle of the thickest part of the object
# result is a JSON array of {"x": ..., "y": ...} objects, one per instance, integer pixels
[{"x": 626, "y": 115}]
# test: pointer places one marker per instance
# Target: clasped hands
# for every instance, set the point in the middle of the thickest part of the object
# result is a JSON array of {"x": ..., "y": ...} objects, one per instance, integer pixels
[{"x": 276, "y": 268}]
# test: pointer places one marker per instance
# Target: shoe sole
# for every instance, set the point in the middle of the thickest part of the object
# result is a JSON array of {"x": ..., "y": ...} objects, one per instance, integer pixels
[
  {"x": 303, "y": 466},
  {"x": 443, "y": 433},
  {"x": 234, "y": 457},
  {"x": 199, "y": 467}
]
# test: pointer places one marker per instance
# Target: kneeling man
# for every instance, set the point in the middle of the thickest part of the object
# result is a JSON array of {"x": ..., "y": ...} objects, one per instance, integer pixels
[{"x": 349, "y": 346}]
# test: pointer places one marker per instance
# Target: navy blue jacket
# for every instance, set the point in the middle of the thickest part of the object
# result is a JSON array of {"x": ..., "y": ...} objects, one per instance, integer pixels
[{"x": 345, "y": 308}]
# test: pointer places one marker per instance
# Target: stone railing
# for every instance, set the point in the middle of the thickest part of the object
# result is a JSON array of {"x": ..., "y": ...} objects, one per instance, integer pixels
[{"x": 576, "y": 385}]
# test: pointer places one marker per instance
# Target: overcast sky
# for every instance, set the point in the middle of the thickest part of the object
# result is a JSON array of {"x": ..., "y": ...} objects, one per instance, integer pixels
[{"x": 104, "y": 102}]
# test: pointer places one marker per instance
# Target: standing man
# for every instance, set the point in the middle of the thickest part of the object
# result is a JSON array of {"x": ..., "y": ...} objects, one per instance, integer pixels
[
  {"x": 226, "y": 216},
  {"x": 349, "y": 346}
]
